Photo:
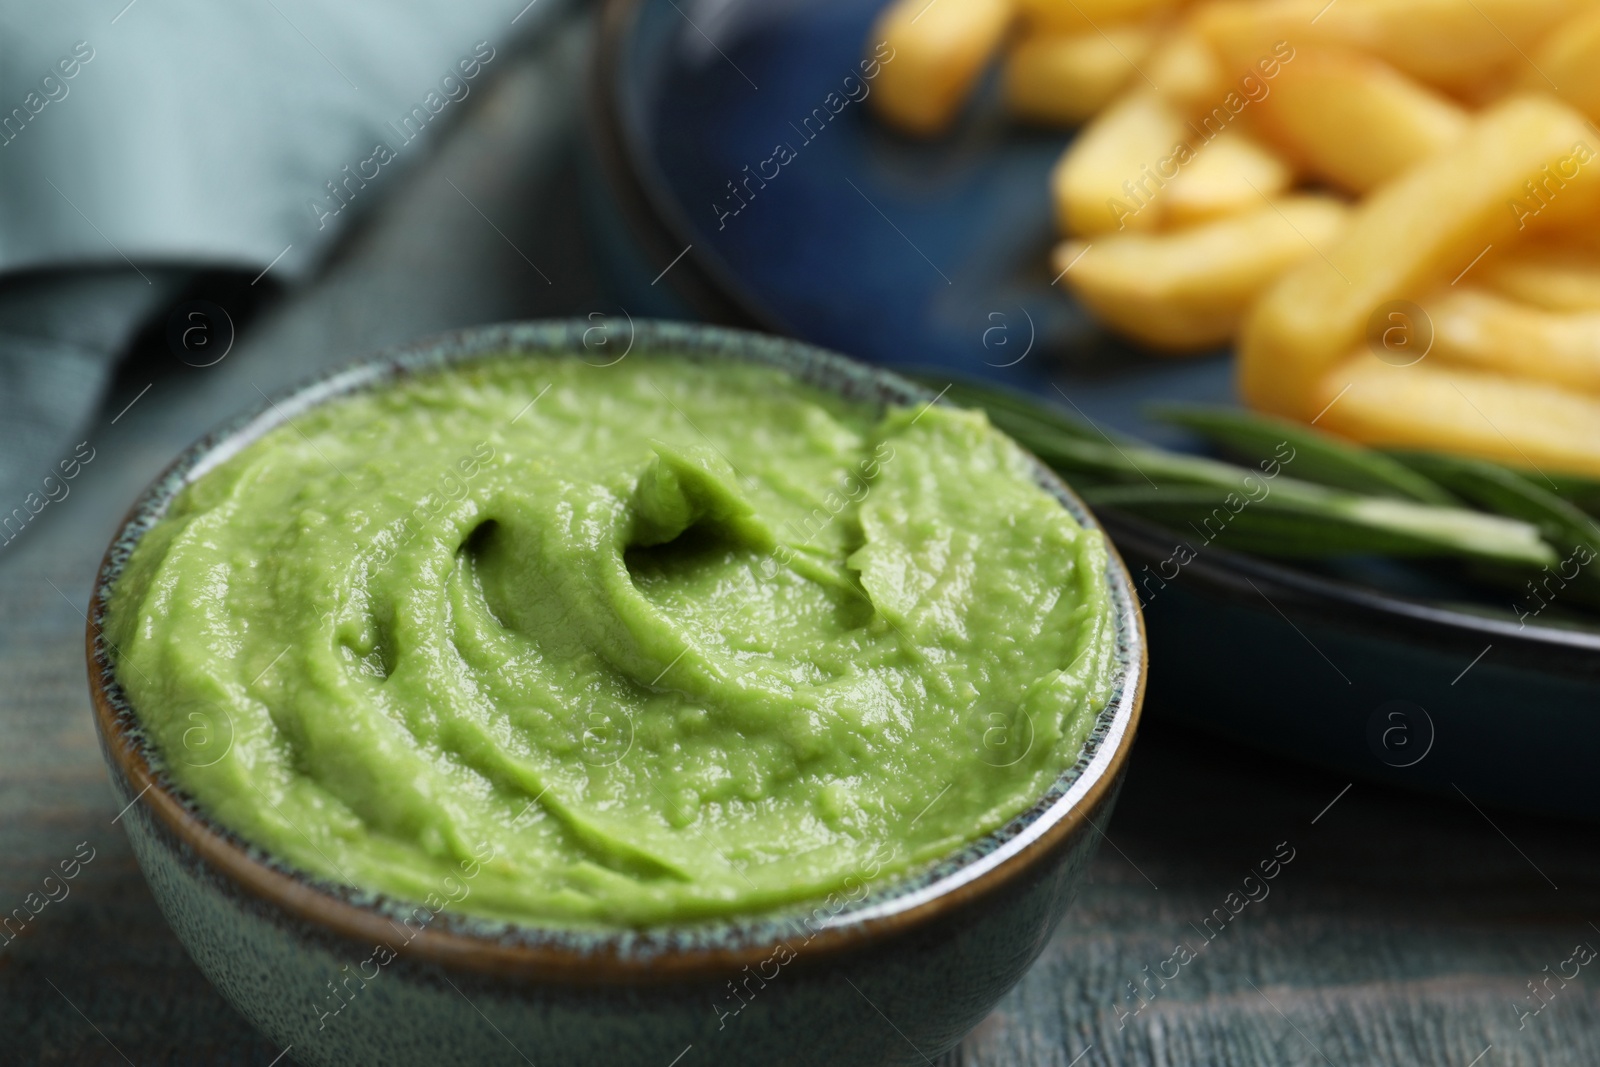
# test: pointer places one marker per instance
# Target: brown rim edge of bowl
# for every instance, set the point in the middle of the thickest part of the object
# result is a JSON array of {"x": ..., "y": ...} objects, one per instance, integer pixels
[{"x": 305, "y": 902}]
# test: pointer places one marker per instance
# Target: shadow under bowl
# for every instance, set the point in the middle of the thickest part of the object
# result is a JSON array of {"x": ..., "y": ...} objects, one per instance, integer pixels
[{"x": 339, "y": 975}]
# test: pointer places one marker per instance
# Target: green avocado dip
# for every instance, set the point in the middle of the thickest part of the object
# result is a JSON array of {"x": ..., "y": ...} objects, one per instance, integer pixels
[{"x": 615, "y": 646}]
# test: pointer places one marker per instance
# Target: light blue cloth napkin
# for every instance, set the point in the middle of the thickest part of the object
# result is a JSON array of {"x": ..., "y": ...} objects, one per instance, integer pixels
[{"x": 144, "y": 141}]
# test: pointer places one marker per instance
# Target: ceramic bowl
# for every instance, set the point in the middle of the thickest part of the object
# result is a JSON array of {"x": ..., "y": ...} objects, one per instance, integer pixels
[{"x": 340, "y": 976}]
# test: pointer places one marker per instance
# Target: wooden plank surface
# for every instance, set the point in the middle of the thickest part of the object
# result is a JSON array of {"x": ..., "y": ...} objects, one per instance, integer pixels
[{"x": 1403, "y": 932}]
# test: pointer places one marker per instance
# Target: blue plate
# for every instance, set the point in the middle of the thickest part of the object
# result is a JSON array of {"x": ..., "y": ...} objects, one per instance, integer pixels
[{"x": 745, "y": 181}]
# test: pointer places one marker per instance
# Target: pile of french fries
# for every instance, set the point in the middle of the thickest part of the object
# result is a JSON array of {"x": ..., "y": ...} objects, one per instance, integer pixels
[{"x": 1390, "y": 207}]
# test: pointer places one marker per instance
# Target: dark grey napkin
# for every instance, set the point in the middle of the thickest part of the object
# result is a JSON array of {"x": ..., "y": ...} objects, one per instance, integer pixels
[{"x": 59, "y": 338}]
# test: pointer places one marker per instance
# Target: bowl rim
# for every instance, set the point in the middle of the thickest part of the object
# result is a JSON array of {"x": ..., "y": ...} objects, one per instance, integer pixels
[{"x": 584, "y": 954}]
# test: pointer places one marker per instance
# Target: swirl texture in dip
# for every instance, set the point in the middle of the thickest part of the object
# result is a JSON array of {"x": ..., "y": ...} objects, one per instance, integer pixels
[{"x": 661, "y": 641}]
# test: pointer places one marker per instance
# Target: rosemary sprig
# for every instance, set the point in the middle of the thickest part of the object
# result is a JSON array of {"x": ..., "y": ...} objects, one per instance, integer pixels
[{"x": 1307, "y": 494}]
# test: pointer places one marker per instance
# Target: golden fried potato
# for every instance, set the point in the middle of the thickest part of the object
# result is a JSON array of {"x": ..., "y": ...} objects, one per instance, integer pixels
[
  {"x": 1355, "y": 120},
  {"x": 1551, "y": 276},
  {"x": 1453, "y": 45},
  {"x": 1410, "y": 236},
  {"x": 1186, "y": 291},
  {"x": 1432, "y": 406},
  {"x": 1064, "y": 78},
  {"x": 1088, "y": 16},
  {"x": 1486, "y": 331},
  {"x": 1186, "y": 71},
  {"x": 1568, "y": 64},
  {"x": 1112, "y": 175},
  {"x": 1232, "y": 173},
  {"x": 938, "y": 50}
]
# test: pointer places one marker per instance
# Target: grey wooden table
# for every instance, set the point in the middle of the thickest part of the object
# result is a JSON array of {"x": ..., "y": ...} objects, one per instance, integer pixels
[{"x": 1405, "y": 930}]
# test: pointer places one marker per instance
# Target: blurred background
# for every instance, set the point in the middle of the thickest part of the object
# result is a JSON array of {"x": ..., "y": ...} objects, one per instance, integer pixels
[{"x": 200, "y": 207}]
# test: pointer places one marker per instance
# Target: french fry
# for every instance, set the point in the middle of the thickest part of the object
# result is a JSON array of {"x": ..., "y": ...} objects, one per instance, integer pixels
[
  {"x": 1186, "y": 71},
  {"x": 1568, "y": 63},
  {"x": 1431, "y": 406},
  {"x": 1489, "y": 332},
  {"x": 1108, "y": 176},
  {"x": 1355, "y": 120},
  {"x": 1087, "y": 16},
  {"x": 1453, "y": 45},
  {"x": 1488, "y": 92},
  {"x": 1187, "y": 290},
  {"x": 937, "y": 51},
  {"x": 1409, "y": 236},
  {"x": 1578, "y": 241},
  {"x": 1230, "y": 174},
  {"x": 1550, "y": 276},
  {"x": 1065, "y": 78}
]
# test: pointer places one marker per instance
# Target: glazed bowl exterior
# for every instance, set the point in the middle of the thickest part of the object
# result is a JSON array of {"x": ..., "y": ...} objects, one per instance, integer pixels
[{"x": 338, "y": 975}]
